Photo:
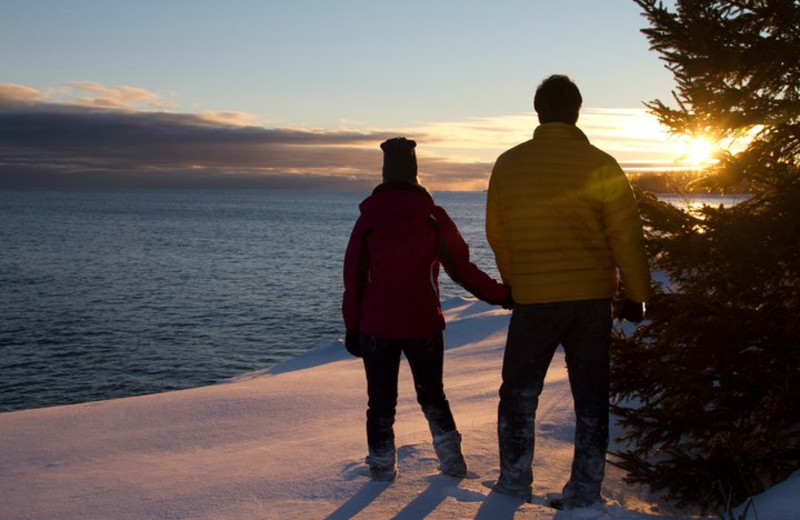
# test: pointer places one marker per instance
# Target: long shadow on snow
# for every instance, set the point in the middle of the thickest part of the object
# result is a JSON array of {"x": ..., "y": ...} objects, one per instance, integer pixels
[
  {"x": 438, "y": 490},
  {"x": 498, "y": 507},
  {"x": 358, "y": 502}
]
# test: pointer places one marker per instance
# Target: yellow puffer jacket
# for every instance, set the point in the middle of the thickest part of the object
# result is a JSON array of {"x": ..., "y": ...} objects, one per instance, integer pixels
[{"x": 561, "y": 218}]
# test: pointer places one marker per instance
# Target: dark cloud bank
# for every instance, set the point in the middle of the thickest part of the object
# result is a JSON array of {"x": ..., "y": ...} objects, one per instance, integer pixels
[{"x": 48, "y": 145}]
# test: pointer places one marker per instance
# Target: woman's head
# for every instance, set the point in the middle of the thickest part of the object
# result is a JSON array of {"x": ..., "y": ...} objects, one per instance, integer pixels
[{"x": 399, "y": 160}]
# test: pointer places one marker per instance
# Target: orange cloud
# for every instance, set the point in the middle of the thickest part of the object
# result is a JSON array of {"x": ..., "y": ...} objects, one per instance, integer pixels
[
  {"x": 229, "y": 118},
  {"x": 91, "y": 94},
  {"x": 15, "y": 94}
]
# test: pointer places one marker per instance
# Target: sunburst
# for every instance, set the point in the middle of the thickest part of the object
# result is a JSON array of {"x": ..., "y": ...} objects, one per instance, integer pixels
[{"x": 697, "y": 151}]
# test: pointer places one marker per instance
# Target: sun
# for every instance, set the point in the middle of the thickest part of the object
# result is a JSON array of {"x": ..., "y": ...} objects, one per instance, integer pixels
[{"x": 697, "y": 151}]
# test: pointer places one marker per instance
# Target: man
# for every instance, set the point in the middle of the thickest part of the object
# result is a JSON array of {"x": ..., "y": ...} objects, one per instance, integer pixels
[{"x": 562, "y": 221}]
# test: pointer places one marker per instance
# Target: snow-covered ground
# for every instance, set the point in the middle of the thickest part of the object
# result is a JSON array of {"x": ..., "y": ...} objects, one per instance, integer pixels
[{"x": 288, "y": 443}]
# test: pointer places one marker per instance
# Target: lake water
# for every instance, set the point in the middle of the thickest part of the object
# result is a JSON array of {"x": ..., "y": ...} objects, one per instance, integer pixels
[{"x": 108, "y": 294}]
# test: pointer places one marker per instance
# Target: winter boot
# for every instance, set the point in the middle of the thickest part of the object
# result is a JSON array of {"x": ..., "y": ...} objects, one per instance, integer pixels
[
  {"x": 448, "y": 449},
  {"x": 568, "y": 504},
  {"x": 383, "y": 465}
]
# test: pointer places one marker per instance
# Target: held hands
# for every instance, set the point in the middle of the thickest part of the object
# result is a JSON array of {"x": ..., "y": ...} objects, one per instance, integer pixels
[
  {"x": 630, "y": 311},
  {"x": 352, "y": 344},
  {"x": 508, "y": 303}
]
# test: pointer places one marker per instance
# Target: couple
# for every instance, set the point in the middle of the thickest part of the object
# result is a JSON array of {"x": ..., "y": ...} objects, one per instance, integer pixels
[{"x": 562, "y": 221}]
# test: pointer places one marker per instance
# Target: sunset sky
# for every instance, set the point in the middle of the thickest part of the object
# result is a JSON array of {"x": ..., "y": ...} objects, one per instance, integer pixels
[{"x": 299, "y": 94}]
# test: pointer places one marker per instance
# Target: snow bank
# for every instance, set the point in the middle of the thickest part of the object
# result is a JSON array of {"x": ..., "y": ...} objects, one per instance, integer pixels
[
  {"x": 288, "y": 443},
  {"x": 779, "y": 502}
]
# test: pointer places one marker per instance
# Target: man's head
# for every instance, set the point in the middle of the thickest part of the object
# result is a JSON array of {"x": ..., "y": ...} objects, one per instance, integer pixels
[
  {"x": 399, "y": 160},
  {"x": 557, "y": 100}
]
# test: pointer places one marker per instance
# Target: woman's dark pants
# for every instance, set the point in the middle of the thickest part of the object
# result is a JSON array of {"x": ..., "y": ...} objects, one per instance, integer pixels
[{"x": 382, "y": 363}]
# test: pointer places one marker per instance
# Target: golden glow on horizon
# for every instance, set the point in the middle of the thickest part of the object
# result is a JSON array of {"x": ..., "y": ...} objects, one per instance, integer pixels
[{"x": 633, "y": 136}]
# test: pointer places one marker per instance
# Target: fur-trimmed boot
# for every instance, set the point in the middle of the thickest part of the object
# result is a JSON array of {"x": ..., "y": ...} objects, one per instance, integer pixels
[
  {"x": 383, "y": 465},
  {"x": 448, "y": 449}
]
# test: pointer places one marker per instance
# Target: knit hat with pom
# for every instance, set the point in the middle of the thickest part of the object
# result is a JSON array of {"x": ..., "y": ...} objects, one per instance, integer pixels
[{"x": 399, "y": 160}]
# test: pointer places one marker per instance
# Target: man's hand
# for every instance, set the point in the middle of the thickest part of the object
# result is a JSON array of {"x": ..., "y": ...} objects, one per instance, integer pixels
[{"x": 631, "y": 311}]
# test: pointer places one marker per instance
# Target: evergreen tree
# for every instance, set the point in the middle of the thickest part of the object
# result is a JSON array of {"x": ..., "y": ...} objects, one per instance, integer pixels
[{"x": 708, "y": 389}]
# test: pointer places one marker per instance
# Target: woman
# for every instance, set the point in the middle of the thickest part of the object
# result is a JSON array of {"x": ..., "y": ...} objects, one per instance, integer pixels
[{"x": 391, "y": 305}]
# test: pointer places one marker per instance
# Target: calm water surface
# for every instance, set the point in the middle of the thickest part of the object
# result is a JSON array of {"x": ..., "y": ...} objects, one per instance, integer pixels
[
  {"x": 108, "y": 294},
  {"x": 116, "y": 293}
]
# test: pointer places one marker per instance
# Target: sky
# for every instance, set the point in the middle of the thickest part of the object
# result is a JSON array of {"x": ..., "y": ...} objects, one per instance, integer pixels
[{"x": 255, "y": 93}]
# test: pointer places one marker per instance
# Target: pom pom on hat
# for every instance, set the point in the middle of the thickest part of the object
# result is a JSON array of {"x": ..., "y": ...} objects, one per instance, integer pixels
[{"x": 399, "y": 160}]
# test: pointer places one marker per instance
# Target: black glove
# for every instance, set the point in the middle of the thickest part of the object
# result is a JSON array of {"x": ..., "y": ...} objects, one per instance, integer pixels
[
  {"x": 352, "y": 342},
  {"x": 631, "y": 311}
]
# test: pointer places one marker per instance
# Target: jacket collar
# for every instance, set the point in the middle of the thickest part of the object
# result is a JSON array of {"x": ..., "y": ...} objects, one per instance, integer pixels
[
  {"x": 550, "y": 131},
  {"x": 399, "y": 185}
]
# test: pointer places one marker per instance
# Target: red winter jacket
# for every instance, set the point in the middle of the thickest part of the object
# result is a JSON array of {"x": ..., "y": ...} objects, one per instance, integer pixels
[{"x": 391, "y": 267}]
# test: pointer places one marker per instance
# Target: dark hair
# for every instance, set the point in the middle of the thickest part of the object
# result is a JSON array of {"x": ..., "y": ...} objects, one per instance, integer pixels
[
  {"x": 399, "y": 160},
  {"x": 557, "y": 100}
]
